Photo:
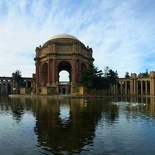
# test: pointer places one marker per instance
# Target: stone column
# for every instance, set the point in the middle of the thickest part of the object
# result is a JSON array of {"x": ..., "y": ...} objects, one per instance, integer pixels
[
  {"x": 125, "y": 87},
  {"x": 37, "y": 73},
  {"x": 49, "y": 72},
  {"x": 146, "y": 93},
  {"x": 135, "y": 87},
  {"x": 141, "y": 84},
  {"x": 54, "y": 70},
  {"x": 6, "y": 86},
  {"x": 74, "y": 72},
  {"x": 152, "y": 82},
  {"x": 2, "y": 86},
  {"x": 153, "y": 86},
  {"x": 131, "y": 87},
  {"x": 121, "y": 84}
]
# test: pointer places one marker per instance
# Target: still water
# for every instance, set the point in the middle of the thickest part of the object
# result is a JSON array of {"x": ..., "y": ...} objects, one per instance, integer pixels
[{"x": 105, "y": 126}]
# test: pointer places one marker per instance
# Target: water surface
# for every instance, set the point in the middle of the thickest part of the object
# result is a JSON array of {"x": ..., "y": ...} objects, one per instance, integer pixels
[{"x": 103, "y": 126}]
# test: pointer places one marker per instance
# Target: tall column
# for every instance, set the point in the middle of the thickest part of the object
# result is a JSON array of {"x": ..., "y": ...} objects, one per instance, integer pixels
[
  {"x": 54, "y": 71},
  {"x": 2, "y": 86},
  {"x": 26, "y": 84},
  {"x": 152, "y": 86},
  {"x": 121, "y": 86},
  {"x": 131, "y": 87},
  {"x": 125, "y": 87},
  {"x": 146, "y": 93},
  {"x": 141, "y": 84},
  {"x": 49, "y": 71},
  {"x": 37, "y": 73},
  {"x": 74, "y": 72},
  {"x": 135, "y": 87},
  {"x": 6, "y": 86}
]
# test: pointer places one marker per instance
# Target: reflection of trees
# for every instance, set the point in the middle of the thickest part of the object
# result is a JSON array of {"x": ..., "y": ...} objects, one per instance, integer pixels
[
  {"x": 16, "y": 106},
  {"x": 75, "y": 134},
  {"x": 78, "y": 131},
  {"x": 111, "y": 113}
]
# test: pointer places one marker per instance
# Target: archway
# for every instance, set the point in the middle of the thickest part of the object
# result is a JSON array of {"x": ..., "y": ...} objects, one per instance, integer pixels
[
  {"x": 61, "y": 53},
  {"x": 64, "y": 66},
  {"x": 44, "y": 74},
  {"x": 64, "y": 76},
  {"x": 64, "y": 70}
]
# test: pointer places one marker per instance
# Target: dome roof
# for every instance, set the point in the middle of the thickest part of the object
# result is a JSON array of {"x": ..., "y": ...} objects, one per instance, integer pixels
[{"x": 67, "y": 36}]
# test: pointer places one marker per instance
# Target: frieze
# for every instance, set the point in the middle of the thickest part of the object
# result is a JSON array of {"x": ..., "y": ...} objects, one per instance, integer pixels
[{"x": 64, "y": 48}]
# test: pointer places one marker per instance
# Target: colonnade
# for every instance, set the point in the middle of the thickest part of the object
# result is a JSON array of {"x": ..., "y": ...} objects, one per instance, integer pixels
[
  {"x": 9, "y": 86},
  {"x": 134, "y": 85}
]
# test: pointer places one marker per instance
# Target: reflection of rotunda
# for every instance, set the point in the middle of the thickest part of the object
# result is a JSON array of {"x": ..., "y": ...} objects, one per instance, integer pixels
[{"x": 61, "y": 53}]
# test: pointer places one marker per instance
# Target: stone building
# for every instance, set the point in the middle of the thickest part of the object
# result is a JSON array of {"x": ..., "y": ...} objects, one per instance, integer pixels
[
  {"x": 66, "y": 52},
  {"x": 9, "y": 86},
  {"x": 134, "y": 85},
  {"x": 61, "y": 52}
]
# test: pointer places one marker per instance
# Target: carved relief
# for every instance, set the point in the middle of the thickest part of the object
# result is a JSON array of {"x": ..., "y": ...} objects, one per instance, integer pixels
[
  {"x": 50, "y": 48},
  {"x": 63, "y": 48},
  {"x": 77, "y": 48}
]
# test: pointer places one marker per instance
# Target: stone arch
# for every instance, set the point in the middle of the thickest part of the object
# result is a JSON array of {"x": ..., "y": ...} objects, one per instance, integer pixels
[
  {"x": 62, "y": 52},
  {"x": 64, "y": 65},
  {"x": 43, "y": 74}
]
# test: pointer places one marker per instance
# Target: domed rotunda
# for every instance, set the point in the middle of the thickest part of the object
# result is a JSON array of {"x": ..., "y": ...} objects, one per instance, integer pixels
[{"x": 62, "y": 52}]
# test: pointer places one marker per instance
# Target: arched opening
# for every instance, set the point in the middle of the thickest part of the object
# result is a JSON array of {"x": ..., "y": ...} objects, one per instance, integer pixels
[
  {"x": 64, "y": 74},
  {"x": 44, "y": 74}
]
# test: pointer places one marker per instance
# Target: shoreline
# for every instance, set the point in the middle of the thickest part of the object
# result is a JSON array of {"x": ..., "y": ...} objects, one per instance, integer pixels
[{"x": 73, "y": 96}]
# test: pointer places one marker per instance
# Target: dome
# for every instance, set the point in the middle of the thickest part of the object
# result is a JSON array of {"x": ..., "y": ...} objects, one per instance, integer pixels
[{"x": 66, "y": 36}]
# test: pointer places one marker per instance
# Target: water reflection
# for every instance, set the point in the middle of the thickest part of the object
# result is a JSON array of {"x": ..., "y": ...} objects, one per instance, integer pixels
[
  {"x": 65, "y": 132},
  {"x": 79, "y": 126}
]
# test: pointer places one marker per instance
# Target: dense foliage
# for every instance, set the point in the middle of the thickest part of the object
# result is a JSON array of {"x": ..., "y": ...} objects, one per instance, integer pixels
[
  {"x": 144, "y": 74},
  {"x": 18, "y": 78},
  {"x": 127, "y": 75},
  {"x": 94, "y": 79}
]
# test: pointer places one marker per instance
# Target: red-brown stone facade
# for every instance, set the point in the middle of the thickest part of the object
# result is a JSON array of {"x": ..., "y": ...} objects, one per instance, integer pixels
[{"x": 62, "y": 52}]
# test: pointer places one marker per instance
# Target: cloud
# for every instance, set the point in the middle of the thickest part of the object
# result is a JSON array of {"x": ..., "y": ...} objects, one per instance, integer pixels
[{"x": 120, "y": 33}]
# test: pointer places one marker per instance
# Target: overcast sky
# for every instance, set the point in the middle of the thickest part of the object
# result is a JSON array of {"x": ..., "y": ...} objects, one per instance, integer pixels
[{"x": 120, "y": 32}]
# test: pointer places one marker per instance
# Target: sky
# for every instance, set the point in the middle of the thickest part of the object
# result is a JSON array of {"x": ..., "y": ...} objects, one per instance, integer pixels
[{"x": 120, "y": 32}]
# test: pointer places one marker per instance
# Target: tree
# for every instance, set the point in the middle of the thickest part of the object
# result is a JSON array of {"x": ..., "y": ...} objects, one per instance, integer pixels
[
  {"x": 94, "y": 79},
  {"x": 145, "y": 74},
  {"x": 110, "y": 75},
  {"x": 18, "y": 78},
  {"x": 127, "y": 75},
  {"x": 90, "y": 77}
]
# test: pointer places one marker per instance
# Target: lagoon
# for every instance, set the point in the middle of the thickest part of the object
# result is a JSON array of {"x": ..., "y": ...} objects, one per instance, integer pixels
[{"x": 101, "y": 126}]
